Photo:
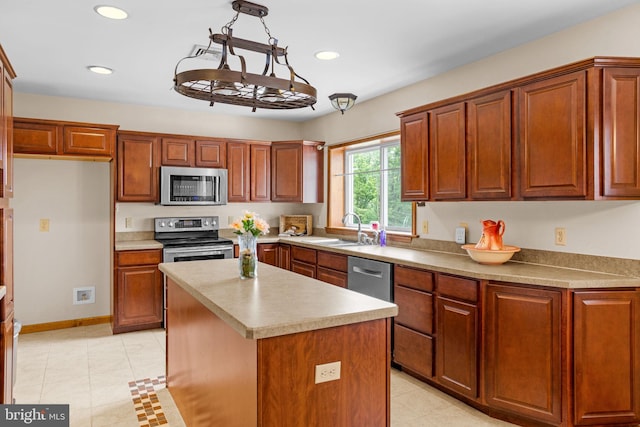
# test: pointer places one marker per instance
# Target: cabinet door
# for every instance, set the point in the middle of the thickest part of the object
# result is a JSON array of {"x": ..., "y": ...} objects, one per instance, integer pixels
[
  {"x": 284, "y": 257},
  {"x": 489, "y": 142},
  {"x": 260, "y": 173},
  {"x": 414, "y": 148},
  {"x": 6, "y": 360},
  {"x": 553, "y": 137},
  {"x": 7, "y": 135},
  {"x": 606, "y": 357},
  {"x": 286, "y": 164},
  {"x": 137, "y": 169},
  {"x": 522, "y": 366},
  {"x": 457, "y": 346},
  {"x": 36, "y": 138},
  {"x": 6, "y": 258},
  {"x": 621, "y": 132},
  {"x": 211, "y": 154},
  {"x": 177, "y": 152},
  {"x": 138, "y": 299},
  {"x": 239, "y": 171},
  {"x": 89, "y": 141},
  {"x": 447, "y": 152},
  {"x": 268, "y": 253}
]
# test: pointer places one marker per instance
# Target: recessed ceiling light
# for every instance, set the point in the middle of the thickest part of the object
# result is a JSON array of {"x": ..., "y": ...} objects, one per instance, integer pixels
[
  {"x": 111, "y": 12},
  {"x": 99, "y": 69},
  {"x": 327, "y": 55}
]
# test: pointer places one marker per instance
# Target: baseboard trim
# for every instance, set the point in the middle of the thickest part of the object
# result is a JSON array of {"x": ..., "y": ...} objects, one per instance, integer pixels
[{"x": 63, "y": 324}]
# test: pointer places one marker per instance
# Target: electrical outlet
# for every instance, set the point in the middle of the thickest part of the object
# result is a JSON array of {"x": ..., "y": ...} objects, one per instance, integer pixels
[
  {"x": 561, "y": 236},
  {"x": 44, "y": 224},
  {"x": 425, "y": 226},
  {"x": 461, "y": 235},
  {"x": 327, "y": 372}
]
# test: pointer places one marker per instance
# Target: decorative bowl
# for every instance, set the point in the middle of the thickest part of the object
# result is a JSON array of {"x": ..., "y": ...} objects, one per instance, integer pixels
[{"x": 491, "y": 257}]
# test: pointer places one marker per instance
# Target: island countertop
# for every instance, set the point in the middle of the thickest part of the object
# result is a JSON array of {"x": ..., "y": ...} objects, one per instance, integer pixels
[{"x": 278, "y": 302}]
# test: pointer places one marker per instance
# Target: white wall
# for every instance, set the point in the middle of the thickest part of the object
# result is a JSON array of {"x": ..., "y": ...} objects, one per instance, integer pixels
[
  {"x": 74, "y": 196},
  {"x": 529, "y": 224}
]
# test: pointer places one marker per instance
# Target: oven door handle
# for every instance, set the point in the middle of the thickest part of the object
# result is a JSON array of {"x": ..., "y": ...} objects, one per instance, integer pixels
[{"x": 198, "y": 249}]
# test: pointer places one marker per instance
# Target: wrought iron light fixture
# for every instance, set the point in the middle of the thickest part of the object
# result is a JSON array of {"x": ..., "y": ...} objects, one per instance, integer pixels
[
  {"x": 342, "y": 101},
  {"x": 227, "y": 86}
]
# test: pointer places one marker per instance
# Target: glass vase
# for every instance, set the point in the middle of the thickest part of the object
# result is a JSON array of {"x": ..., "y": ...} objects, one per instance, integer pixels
[{"x": 248, "y": 257}]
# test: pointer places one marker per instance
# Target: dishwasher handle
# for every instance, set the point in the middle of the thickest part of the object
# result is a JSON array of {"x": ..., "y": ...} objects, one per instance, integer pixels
[{"x": 366, "y": 272}]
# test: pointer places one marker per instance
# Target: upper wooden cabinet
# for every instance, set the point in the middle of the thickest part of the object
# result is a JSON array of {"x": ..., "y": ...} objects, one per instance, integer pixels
[
  {"x": 489, "y": 146},
  {"x": 57, "y": 138},
  {"x": 249, "y": 176},
  {"x": 447, "y": 152},
  {"x": 6, "y": 126},
  {"x": 621, "y": 132},
  {"x": 297, "y": 172},
  {"x": 206, "y": 153},
  {"x": 138, "y": 174},
  {"x": 414, "y": 145},
  {"x": 569, "y": 133},
  {"x": 553, "y": 142}
]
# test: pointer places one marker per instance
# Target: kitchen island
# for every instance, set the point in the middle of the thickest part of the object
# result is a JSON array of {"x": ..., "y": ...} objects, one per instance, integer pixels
[{"x": 278, "y": 350}]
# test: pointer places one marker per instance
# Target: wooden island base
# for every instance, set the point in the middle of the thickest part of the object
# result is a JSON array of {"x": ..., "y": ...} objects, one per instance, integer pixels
[{"x": 219, "y": 378}]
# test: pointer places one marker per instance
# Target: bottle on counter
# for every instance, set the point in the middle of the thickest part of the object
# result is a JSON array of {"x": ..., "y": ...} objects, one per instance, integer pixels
[{"x": 383, "y": 236}]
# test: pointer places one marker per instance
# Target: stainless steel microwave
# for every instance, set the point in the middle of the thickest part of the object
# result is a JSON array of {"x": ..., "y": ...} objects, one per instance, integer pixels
[{"x": 192, "y": 186}]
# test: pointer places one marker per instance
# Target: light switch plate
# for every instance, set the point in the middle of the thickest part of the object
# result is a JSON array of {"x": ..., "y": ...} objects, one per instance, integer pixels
[{"x": 461, "y": 235}]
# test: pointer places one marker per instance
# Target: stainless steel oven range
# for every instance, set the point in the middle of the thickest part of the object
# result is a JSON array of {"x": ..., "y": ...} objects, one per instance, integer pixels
[{"x": 191, "y": 239}]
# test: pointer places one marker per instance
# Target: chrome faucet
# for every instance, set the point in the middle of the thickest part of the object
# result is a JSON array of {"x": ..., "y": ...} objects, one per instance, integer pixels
[{"x": 362, "y": 236}]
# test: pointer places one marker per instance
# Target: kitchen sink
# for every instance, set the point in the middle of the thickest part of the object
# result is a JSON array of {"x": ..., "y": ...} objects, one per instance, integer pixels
[{"x": 338, "y": 243}]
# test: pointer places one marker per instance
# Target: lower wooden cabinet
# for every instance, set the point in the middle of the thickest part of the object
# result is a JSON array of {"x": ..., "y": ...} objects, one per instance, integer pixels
[
  {"x": 414, "y": 339},
  {"x": 523, "y": 340},
  {"x": 303, "y": 261},
  {"x": 606, "y": 345},
  {"x": 6, "y": 360},
  {"x": 457, "y": 349},
  {"x": 275, "y": 254},
  {"x": 332, "y": 268},
  {"x": 138, "y": 293}
]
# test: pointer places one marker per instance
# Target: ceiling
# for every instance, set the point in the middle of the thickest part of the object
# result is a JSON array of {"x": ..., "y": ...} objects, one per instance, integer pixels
[{"x": 383, "y": 45}]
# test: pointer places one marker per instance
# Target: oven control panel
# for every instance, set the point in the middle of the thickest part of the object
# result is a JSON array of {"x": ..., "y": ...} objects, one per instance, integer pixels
[{"x": 171, "y": 224}]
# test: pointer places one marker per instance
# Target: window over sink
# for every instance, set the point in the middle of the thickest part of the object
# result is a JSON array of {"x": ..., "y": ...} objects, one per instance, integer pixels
[{"x": 364, "y": 177}]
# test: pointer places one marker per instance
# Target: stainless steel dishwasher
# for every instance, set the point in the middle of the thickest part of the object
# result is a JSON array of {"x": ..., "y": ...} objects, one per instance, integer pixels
[{"x": 369, "y": 277}]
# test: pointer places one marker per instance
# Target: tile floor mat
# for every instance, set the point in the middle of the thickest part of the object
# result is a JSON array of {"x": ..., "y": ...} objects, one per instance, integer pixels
[{"x": 146, "y": 402}]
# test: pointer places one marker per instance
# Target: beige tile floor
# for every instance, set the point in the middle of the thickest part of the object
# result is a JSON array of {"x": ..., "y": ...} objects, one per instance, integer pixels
[{"x": 89, "y": 368}]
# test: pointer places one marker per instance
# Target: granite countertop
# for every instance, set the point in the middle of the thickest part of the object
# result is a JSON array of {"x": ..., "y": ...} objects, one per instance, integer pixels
[
  {"x": 463, "y": 265},
  {"x": 276, "y": 303},
  {"x": 446, "y": 262}
]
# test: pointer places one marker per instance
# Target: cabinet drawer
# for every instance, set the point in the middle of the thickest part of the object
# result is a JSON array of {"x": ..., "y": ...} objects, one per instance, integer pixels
[
  {"x": 334, "y": 277},
  {"x": 457, "y": 287},
  {"x": 303, "y": 268},
  {"x": 332, "y": 261},
  {"x": 303, "y": 254},
  {"x": 413, "y": 278},
  {"x": 125, "y": 258},
  {"x": 413, "y": 350},
  {"x": 415, "y": 309}
]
